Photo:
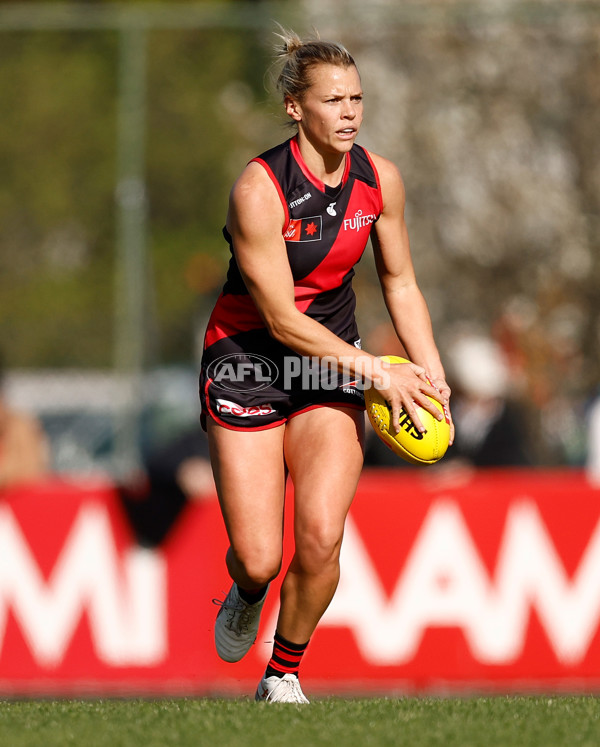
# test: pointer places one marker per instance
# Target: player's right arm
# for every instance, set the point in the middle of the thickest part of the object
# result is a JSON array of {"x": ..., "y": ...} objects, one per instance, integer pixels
[{"x": 255, "y": 221}]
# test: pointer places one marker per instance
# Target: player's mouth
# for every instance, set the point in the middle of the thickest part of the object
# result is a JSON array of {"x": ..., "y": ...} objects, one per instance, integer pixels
[{"x": 347, "y": 133}]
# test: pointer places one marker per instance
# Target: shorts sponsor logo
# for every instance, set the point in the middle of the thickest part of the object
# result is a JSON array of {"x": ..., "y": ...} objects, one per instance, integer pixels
[
  {"x": 358, "y": 394},
  {"x": 242, "y": 372},
  {"x": 224, "y": 407},
  {"x": 353, "y": 387},
  {"x": 304, "y": 229}
]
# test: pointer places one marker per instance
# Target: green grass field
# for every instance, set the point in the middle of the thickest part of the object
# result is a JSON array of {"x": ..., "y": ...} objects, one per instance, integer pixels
[{"x": 460, "y": 722}]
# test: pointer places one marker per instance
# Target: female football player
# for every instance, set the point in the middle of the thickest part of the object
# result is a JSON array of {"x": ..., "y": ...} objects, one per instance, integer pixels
[{"x": 282, "y": 366}]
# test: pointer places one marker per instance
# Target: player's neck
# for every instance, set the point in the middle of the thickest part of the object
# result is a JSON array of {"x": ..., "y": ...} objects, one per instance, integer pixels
[{"x": 326, "y": 166}]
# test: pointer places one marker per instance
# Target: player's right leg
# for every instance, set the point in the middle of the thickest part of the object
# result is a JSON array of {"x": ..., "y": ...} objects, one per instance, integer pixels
[{"x": 250, "y": 475}]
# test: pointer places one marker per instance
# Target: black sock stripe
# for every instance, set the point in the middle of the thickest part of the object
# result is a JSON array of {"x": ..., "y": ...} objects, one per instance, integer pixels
[
  {"x": 286, "y": 662},
  {"x": 279, "y": 639},
  {"x": 273, "y": 666}
]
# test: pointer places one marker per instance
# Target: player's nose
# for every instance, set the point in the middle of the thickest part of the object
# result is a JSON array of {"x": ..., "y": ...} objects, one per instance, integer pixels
[{"x": 348, "y": 110}]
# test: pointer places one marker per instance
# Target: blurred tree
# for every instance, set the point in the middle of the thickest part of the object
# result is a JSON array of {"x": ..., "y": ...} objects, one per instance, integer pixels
[
  {"x": 58, "y": 153},
  {"x": 57, "y": 139}
]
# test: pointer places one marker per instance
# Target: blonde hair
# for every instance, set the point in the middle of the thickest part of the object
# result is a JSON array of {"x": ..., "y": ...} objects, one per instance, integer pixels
[{"x": 301, "y": 56}]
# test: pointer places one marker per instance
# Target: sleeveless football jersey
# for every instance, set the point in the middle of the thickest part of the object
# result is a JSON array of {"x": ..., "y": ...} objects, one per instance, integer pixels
[{"x": 325, "y": 234}]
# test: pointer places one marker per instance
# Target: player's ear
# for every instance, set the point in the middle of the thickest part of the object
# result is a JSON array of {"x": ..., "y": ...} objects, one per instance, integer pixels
[{"x": 293, "y": 109}]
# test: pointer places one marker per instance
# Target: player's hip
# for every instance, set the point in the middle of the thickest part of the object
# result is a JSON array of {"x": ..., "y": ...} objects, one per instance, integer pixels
[{"x": 252, "y": 381}]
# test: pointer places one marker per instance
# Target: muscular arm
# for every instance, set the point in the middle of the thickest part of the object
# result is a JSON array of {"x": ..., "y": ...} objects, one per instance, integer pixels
[
  {"x": 403, "y": 298},
  {"x": 401, "y": 293}
]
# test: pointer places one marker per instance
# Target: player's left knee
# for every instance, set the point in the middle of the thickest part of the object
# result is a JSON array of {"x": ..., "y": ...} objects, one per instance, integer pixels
[{"x": 318, "y": 549}]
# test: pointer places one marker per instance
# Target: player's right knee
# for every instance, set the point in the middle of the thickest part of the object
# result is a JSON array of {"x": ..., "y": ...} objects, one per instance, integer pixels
[{"x": 259, "y": 566}]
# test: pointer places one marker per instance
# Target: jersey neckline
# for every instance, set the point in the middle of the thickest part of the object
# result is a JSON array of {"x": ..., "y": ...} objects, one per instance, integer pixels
[{"x": 320, "y": 185}]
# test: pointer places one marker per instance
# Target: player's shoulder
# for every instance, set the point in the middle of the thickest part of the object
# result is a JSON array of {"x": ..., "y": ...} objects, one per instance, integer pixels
[
  {"x": 390, "y": 178},
  {"x": 385, "y": 168},
  {"x": 254, "y": 186},
  {"x": 254, "y": 202}
]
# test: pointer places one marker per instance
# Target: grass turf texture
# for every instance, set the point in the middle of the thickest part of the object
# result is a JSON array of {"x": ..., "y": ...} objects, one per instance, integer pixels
[{"x": 418, "y": 722}]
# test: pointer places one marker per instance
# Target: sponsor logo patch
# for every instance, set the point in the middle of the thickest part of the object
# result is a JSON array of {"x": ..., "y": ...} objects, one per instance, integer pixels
[
  {"x": 304, "y": 229},
  {"x": 359, "y": 221},
  {"x": 299, "y": 201}
]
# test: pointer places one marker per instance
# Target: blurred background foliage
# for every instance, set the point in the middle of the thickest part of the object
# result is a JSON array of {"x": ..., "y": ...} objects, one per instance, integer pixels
[
  {"x": 57, "y": 142},
  {"x": 490, "y": 110},
  {"x": 58, "y": 149}
]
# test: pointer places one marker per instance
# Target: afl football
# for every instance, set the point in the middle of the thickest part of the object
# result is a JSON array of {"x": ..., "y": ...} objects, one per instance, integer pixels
[{"x": 413, "y": 446}]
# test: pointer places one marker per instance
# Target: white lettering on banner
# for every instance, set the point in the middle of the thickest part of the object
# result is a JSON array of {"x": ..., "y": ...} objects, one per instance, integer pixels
[
  {"x": 445, "y": 584},
  {"x": 125, "y": 597}
]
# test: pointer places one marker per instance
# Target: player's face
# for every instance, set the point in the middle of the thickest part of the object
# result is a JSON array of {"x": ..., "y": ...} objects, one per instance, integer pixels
[{"x": 330, "y": 113}]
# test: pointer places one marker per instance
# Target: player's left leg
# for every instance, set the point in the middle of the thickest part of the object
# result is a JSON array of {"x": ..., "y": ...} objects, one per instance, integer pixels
[{"x": 324, "y": 454}]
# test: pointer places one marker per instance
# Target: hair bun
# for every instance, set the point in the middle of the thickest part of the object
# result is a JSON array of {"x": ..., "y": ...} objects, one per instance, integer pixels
[{"x": 290, "y": 42}]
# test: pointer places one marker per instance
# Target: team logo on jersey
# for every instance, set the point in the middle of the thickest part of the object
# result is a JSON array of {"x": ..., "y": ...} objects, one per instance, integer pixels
[
  {"x": 331, "y": 208},
  {"x": 304, "y": 229}
]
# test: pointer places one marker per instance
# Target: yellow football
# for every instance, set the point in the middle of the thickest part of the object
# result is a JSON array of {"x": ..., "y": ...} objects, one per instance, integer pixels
[{"x": 408, "y": 443}]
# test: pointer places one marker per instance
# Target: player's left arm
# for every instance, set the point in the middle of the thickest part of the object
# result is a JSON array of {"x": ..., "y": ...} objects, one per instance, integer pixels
[{"x": 403, "y": 298}]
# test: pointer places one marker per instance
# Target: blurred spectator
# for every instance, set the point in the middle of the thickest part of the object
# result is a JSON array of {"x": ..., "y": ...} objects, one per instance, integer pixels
[
  {"x": 24, "y": 452},
  {"x": 543, "y": 341},
  {"x": 175, "y": 474},
  {"x": 490, "y": 430},
  {"x": 593, "y": 448}
]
